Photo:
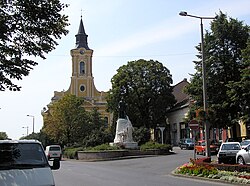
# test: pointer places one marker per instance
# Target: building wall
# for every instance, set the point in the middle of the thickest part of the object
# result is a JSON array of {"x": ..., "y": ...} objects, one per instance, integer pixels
[{"x": 175, "y": 120}]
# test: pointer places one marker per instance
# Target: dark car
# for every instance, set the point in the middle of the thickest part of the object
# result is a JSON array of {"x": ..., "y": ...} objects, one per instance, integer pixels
[
  {"x": 228, "y": 151},
  {"x": 187, "y": 143}
]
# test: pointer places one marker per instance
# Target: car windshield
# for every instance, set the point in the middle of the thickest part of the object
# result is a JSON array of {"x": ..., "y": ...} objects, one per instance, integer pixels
[
  {"x": 54, "y": 149},
  {"x": 245, "y": 142},
  {"x": 25, "y": 155},
  {"x": 203, "y": 144},
  {"x": 189, "y": 140},
  {"x": 231, "y": 147}
]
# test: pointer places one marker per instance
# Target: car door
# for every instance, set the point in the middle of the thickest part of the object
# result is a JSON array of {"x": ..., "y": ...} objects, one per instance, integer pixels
[{"x": 247, "y": 155}]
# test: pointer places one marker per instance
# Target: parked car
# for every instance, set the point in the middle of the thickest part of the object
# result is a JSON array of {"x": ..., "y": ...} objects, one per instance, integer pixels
[
  {"x": 23, "y": 162},
  {"x": 243, "y": 156},
  {"x": 228, "y": 151},
  {"x": 187, "y": 143},
  {"x": 245, "y": 143},
  {"x": 53, "y": 152},
  {"x": 200, "y": 148}
]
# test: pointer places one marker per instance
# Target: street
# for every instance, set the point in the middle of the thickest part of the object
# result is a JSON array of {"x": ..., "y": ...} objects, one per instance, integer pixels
[{"x": 148, "y": 171}]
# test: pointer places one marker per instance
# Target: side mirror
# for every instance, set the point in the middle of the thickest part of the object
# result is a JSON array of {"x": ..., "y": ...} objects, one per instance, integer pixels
[
  {"x": 56, "y": 164},
  {"x": 246, "y": 149}
]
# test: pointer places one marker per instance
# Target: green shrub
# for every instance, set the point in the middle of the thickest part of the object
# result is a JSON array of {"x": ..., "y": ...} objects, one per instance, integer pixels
[
  {"x": 154, "y": 145},
  {"x": 102, "y": 147},
  {"x": 71, "y": 153}
]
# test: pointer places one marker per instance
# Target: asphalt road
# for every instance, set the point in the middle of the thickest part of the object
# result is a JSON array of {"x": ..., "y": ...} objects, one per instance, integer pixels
[{"x": 147, "y": 171}]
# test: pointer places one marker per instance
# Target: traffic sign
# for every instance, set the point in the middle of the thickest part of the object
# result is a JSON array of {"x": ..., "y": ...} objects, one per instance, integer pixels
[{"x": 193, "y": 124}]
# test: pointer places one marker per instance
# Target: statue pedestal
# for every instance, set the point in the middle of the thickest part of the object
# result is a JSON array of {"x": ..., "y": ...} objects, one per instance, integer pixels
[{"x": 130, "y": 145}]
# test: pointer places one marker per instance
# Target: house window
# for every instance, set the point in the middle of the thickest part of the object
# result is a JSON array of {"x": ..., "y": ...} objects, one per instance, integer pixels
[{"x": 82, "y": 67}]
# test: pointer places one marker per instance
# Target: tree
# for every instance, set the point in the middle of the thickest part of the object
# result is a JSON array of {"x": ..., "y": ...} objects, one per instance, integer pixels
[
  {"x": 28, "y": 28},
  {"x": 67, "y": 121},
  {"x": 98, "y": 133},
  {"x": 146, "y": 90},
  {"x": 40, "y": 136},
  {"x": 3, "y": 136},
  {"x": 239, "y": 91},
  {"x": 223, "y": 58}
]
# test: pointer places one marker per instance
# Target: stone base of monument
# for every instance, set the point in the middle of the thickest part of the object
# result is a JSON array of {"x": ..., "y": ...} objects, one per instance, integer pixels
[
  {"x": 126, "y": 145},
  {"x": 130, "y": 145}
]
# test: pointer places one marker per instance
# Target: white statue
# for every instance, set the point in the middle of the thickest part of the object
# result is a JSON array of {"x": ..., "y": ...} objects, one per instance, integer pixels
[{"x": 124, "y": 129}]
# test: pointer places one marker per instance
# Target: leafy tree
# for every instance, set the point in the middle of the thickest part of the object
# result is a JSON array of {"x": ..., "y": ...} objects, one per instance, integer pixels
[
  {"x": 28, "y": 28},
  {"x": 239, "y": 91},
  {"x": 98, "y": 137},
  {"x": 95, "y": 120},
  {"x": 223, "y": 47},
  {"x": 141, "y": 135},
  {"x": 98, "y": 133},
  {"x": 40, "y": 136},
  {"x": 66, "y": 120},
  {"x": 145, "y": 88},
  {"x": 67, "y": 123},
  {"x": 3, "y": 136}
]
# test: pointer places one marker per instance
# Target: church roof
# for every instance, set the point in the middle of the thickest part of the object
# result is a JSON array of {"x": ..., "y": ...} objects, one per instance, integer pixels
[{"x": 81, "y": 37}]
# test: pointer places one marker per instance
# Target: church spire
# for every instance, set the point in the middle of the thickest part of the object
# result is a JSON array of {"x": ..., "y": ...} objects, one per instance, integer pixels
[{"x": 81, "y": 37}]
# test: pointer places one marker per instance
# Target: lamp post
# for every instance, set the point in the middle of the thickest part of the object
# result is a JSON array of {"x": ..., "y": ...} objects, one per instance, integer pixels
[
  {"x": 33, "y": 121},
  {"x": 27, "y": 129},
  {"x": 205, "y": 105}
]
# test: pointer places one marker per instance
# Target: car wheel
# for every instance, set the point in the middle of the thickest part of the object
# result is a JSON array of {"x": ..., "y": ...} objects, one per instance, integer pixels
[{"x": 240, "y": 160}]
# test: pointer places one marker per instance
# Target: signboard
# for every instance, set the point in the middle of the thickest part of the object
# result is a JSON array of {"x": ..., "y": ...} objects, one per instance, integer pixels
[{"x": 193, "y": 124}]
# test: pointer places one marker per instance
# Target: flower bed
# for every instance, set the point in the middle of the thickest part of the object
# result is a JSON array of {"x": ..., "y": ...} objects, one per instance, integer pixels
[
  {"x": 201, "y": 168},
  {"x": 226, "y": 167}
]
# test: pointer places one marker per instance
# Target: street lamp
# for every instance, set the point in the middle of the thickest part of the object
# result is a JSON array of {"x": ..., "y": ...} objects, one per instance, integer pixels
[
  {"x": 27, "y": 129},
  {"x": 208, "y": 153},
  {"x": 33, "y": 121}
]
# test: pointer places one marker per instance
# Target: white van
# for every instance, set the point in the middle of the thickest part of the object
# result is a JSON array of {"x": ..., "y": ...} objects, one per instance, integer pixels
[
  {"x": 53, "y": 151},
  {"x": 23, "y": 163}
]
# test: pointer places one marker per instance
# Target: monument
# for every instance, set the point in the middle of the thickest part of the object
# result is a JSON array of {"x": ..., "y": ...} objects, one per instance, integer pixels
[{"x": 124, "y": 129}]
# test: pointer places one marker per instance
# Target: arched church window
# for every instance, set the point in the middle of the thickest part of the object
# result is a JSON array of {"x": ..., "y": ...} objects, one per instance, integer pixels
[{"x": 82, "y": 67}]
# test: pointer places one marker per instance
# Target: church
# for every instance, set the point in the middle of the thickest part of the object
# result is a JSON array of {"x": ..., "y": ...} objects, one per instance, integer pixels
[{"x": 82, "y": 80}]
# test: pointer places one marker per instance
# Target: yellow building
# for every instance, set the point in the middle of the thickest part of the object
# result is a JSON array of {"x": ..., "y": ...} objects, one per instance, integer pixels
[{"x": 82, "y": 80}]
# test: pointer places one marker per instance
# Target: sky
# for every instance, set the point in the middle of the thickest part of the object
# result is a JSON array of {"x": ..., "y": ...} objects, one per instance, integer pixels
[{"x": 118, "y": 31}]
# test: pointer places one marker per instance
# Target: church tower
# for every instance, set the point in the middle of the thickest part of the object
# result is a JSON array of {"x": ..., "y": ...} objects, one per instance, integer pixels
[{"x": 82, "y": 80}]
